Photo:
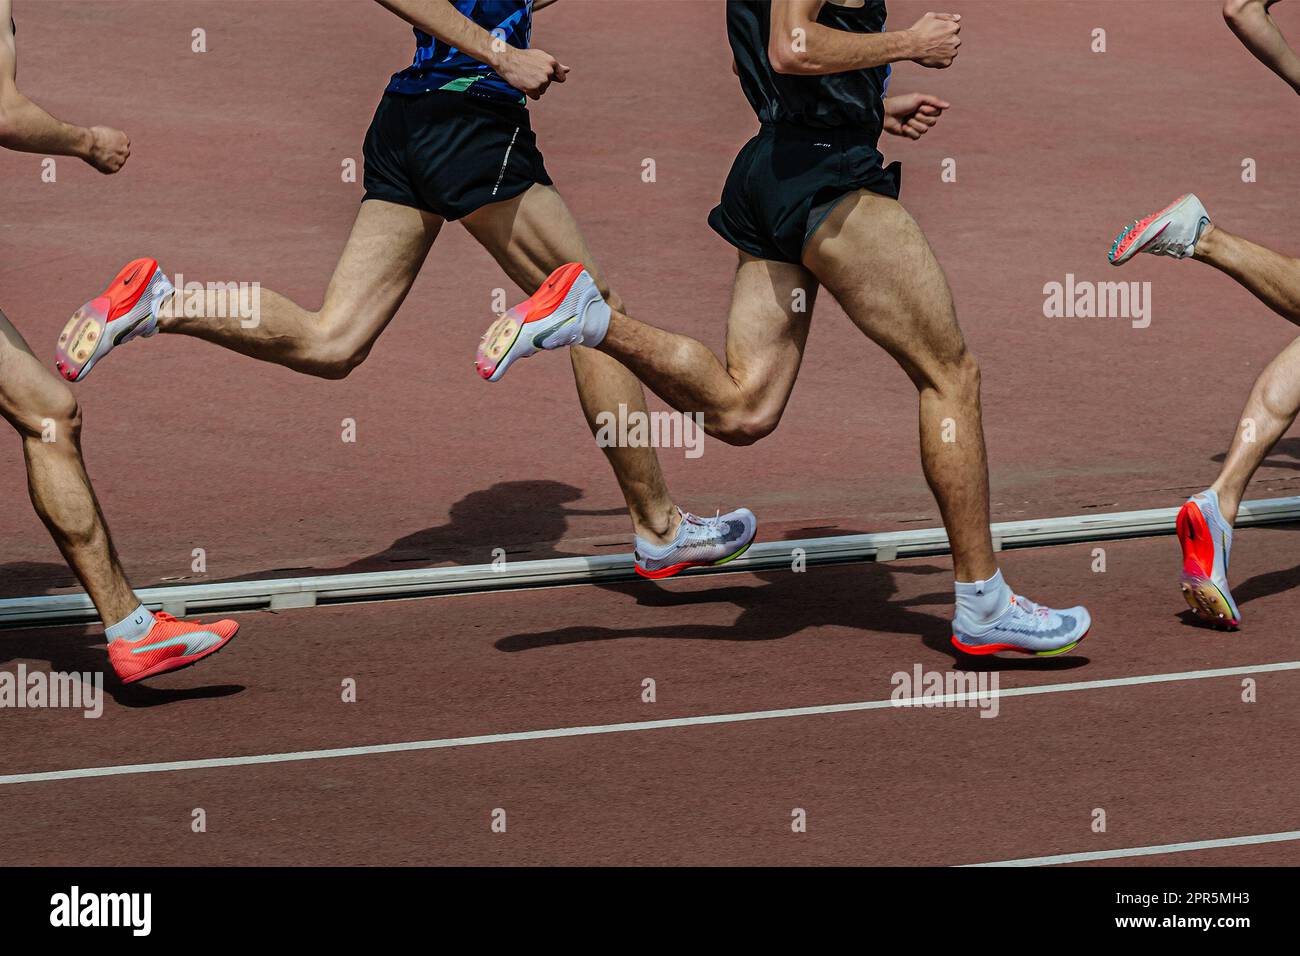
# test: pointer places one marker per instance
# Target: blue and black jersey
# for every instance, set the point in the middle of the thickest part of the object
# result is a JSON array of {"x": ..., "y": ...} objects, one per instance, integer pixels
[{"x": 438, "y": 66}]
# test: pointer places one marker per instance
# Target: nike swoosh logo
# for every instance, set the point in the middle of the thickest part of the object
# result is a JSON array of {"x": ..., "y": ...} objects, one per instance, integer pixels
[
  {"x": 131, "y": 278},
  {"x": 542, "y": 336},
  {"x": 189, "y": 640}
]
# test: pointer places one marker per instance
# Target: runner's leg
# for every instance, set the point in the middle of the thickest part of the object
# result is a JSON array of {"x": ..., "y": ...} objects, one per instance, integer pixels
[
  {"x": 530, "y": 236},
  {"x": 45, "y": 414},
  {"x": 1275, "y": 399},
  {"x": 902, "y": 302},
  {"x": 743, "y": 400},
  {"x": 1270, "y": 410},
  {"x": 1271, "y": 276},
  {"x": 383, "y": 255}
]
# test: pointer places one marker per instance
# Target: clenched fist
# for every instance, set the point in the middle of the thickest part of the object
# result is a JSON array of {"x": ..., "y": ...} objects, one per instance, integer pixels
[
  {"x": 936, "y": 38},
  {"x": 109, "y": 149}
]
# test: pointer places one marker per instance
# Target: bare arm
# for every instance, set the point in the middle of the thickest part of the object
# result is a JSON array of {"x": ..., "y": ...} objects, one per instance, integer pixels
[
  {"x": 530, "y": 71},
  {"x": 1250, "y": 20},
  {"x": 26, "y": 127},
  {"x": 541, "y": 4},
  {"x": 798, "y": 44}
]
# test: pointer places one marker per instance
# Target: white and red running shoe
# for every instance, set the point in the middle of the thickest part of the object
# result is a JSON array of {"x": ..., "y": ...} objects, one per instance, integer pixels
[
  {"x": 1173, "y": 231},
  {"x": 700, "y": 542},
  {"x": 567, "y": 310},
  {"x": 1023, "y": 627},
  {"x": 1206, "y": 538},
  {"x": 127, "y": 309},
  {"x": 169, "y": 646}
]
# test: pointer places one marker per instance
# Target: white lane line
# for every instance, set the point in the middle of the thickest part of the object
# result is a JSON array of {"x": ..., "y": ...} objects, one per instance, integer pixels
[
  {"x": 593, "y": 729},
  {"x": 1147, "y": 850}
]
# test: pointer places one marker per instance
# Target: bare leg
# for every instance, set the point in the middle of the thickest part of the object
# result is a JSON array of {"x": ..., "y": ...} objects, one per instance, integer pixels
[
  {"x": 902, "y": 302},
  {"x": 530, "y": 236},
  {"x": 1255, "y": 27},
  {"x": 1275, "y": 399},
  {"x": 1269, "y": 412},
  {"x": 1272, "y": 277},
  {"x": 45, "y": 414},
  {"x": 384, "y": 253},
  {"x": 743, "y": 400}
]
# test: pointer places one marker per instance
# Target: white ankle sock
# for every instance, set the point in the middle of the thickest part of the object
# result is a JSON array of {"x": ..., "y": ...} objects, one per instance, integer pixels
[
  {"x": 982, "y": 601},
  {"x": 132, "y": 627}
]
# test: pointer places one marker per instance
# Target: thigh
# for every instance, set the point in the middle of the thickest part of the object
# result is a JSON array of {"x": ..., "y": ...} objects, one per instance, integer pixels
[
  {"x": 383, "y": 255},
  {"x": 531, "y": 236},
  {"x": 767, "y": 329},
  {"x": 29, "y": 392},
  {"x": 872, "y": 256}
]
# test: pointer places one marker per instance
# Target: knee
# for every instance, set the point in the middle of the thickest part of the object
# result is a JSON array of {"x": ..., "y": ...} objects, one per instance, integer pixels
[
  {"x": 957, "y": 375},
  {"x": 744, "y": 426},
  {"x": 1235, "y": 10},
  {"x": 67, "y": 414},
  {"x": 336, "y": 352},
  {"x": 336, "y": 362},
  {"x": 1276, "y": 395},
  {"x": 51, "y": 416}
]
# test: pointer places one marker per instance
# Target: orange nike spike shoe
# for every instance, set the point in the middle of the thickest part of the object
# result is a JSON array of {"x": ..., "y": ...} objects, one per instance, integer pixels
[{"x": 127, "y": 309}]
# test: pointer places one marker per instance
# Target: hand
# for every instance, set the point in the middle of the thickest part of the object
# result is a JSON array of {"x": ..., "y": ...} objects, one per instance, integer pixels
[
  {"x": 935, "y": 38},
  {"x": 109, "y": 149},
  {"x": 529, "y": 71},
  {"x": 912, "y": 114}
]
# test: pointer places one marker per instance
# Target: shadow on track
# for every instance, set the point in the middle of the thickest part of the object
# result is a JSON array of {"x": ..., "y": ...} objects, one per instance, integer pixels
[
  {"x": 1289, "y": 448},
  {"x": 81, "y": 651},
  {"x": 478, "y": 524},
  {"x": 786, "y": 604}
]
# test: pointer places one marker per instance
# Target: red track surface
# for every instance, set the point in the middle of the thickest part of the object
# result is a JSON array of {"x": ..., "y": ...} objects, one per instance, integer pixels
[{"x": 236, "y": 175}]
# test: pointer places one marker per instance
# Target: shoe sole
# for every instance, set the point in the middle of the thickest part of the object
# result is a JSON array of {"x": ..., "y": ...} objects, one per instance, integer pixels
[
  {"x": 503, "y": 333},
  {"x": 1203, "y": 596},
  {"x": 80, "y": 339},
  {"x": 162, "y": 667},
  {"x": 498, "y": 340},
  {"x": 673, "y": 569},
  {"x": 1133, "y": 239},
  {"x": 979, "y": 650}
]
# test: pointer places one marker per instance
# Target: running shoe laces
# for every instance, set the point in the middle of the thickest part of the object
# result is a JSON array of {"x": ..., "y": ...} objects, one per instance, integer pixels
[
  {"x": 1030, "y": 609},
  {"x": 704, "y": 529},
  {"x": 1029, "y": 606}
]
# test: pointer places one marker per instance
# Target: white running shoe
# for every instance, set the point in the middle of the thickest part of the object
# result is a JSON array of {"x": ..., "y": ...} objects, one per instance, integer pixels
[
  {"x": 567, "y": 310},
  {"x": 1173, "y": 231},
  {"x": 1025, "y": 627},
  {"x": 700, "y": 542}
]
